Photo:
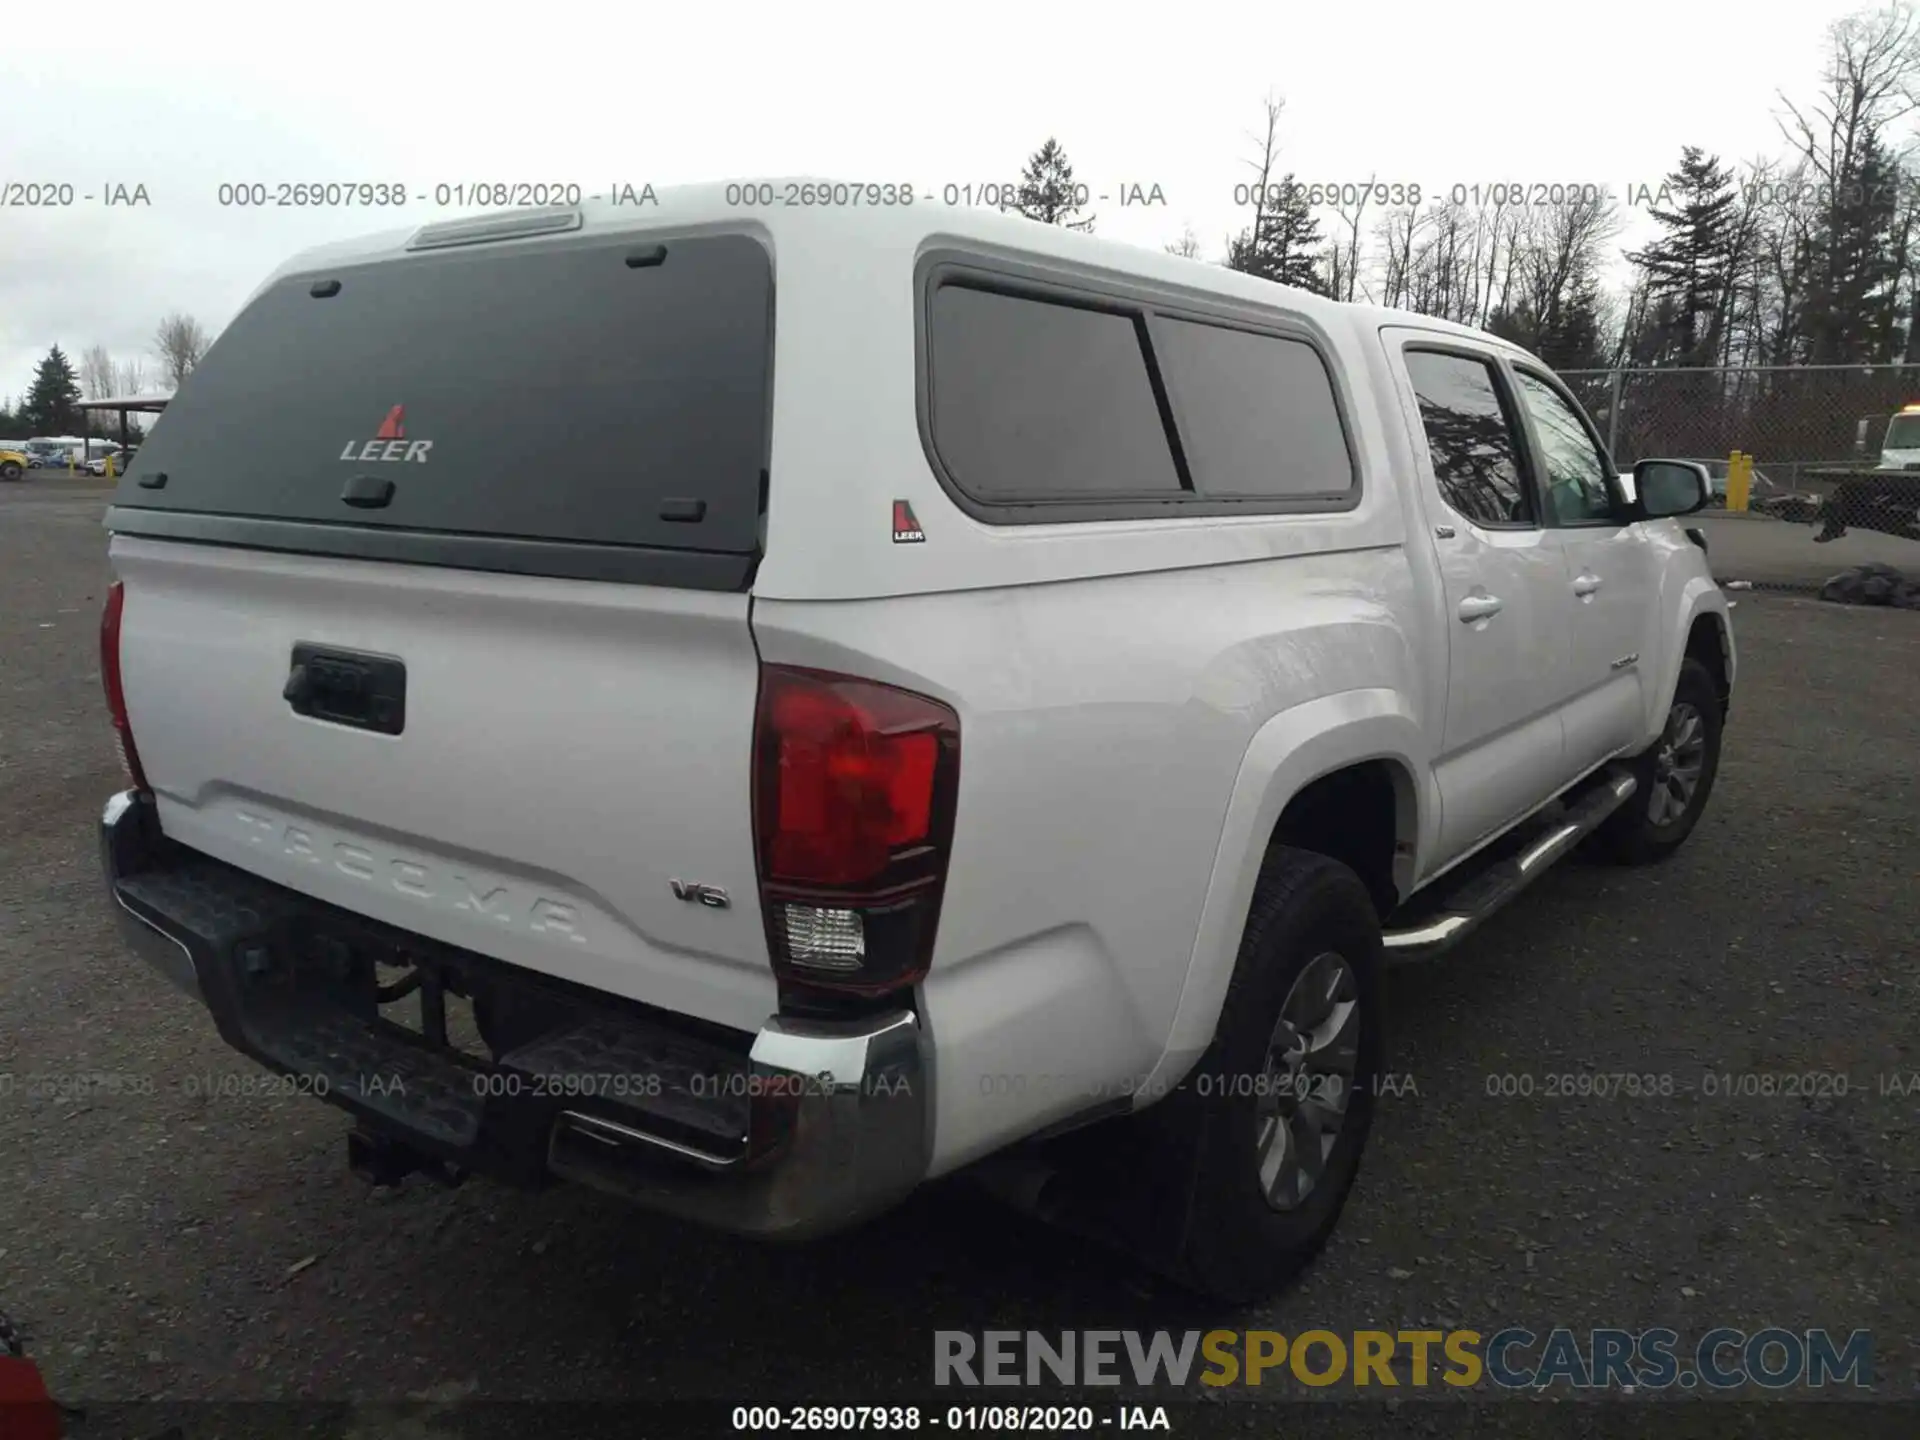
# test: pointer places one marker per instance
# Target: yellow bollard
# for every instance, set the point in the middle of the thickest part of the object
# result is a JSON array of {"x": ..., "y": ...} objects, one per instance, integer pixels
[
  {"x": 110, "y": 467},
  {"x": 1739, "y": 480}
]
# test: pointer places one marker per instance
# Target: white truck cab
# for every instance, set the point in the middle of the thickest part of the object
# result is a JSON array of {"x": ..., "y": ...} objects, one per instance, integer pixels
[
  {"x": 849, "y": 694},
  {"x": 1900, "y": 448}
]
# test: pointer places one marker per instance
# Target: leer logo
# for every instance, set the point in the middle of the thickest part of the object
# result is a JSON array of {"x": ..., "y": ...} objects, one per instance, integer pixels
[
  {"x": 389, "y": 442},
  {"x": 906, "y": 529}
]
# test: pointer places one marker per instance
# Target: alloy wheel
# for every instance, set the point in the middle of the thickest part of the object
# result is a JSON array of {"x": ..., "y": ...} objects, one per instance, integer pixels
[
  {"x": 1307, "y": 1082},
  {"x": 1677, "y": 764}
]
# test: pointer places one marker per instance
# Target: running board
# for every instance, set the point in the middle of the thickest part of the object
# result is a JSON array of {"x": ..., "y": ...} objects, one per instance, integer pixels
[{"x": 1466, "y": 907}]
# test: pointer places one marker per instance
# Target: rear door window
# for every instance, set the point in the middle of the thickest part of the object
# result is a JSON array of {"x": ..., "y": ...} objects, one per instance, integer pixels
[
  {"x": 1472, "y": 438},
  {"x": 553, "y": 392}
]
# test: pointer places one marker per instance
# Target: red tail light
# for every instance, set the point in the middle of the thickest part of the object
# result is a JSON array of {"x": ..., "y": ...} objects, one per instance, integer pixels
[
  {"x": 854, "y": 786},
  {"x": 110, "y": 679}
]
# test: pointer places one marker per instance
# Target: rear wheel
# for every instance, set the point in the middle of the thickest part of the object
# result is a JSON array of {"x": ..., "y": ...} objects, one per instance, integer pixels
[
  {"x": 1675, "y": 776},
  {"x": 11, "y": 470},
  {"x": 1278, "y": 1109}
]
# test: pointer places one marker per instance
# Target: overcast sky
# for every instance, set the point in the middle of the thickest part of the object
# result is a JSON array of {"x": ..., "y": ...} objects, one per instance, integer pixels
[{"x": 183, "y": 97}]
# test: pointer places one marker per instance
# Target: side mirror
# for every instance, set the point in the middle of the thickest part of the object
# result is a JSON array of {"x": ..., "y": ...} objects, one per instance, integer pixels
[{"x": 1671, "y": 487}]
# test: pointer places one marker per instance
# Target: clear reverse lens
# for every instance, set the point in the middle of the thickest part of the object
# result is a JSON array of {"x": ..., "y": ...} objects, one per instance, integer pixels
[{"x": 824, "y": 939}]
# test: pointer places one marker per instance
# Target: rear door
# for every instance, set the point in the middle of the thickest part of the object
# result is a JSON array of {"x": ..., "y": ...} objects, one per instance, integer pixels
[
  {"x": 1609, "y": 574},
  {"x": 465, "y": 645},
  {"x": 1502, "y": 751}
]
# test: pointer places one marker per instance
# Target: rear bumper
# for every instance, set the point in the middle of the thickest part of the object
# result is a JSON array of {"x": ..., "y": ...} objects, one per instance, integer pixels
[{"x": 804, "y": 1128}]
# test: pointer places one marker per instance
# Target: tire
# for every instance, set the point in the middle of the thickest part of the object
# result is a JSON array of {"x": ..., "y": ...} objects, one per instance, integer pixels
[
  {"x": 1236, "y": 1244},
  {"x": 11, "y": 470},
  {"x": 1648, "y": 828}
]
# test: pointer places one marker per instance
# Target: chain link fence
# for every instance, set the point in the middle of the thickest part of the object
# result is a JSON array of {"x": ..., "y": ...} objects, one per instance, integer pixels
[{"x": 1829, "y": 506}]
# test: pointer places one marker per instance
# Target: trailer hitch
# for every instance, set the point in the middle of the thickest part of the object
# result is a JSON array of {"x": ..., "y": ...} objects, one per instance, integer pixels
[{"x": 384, "y": 1162}]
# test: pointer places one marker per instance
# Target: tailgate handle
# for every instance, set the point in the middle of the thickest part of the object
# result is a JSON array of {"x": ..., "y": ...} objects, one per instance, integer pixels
[
  {"x": 348, "y": 687},
  {"x": 368, "y": 492}
]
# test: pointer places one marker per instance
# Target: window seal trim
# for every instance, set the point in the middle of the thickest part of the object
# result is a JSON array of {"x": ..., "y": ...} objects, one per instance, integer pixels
[
  {"x": 1141, "y": 301},
  {"x": 1494, "y": 362},
  {"x": 721, "y": 570}
]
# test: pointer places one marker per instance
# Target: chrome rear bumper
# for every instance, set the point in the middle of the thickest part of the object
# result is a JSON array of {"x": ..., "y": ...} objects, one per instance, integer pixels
[{"x": 811, "y": 1127}]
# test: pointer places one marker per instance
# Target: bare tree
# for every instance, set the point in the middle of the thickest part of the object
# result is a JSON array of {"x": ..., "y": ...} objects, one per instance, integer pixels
[
  {"x": 96, "y": 372},
  {"x": 1187, "y": 246},
  {"x": 1343, "y": 260},
  {"x": 131, "y": 377},
  {"x": 179, "y": 342},
  {"x": 1333, "y": 265},
  {"x": 1263, "y": 167},
  {"x": 1398, "y": 231},
  {"x": 1499, "y": 237},
  {"x": 1444, "y": 262},
  {"x": 1907, "y": 259},
  {"x": 1557, "y": 246},
  {"x": 1738, "y": 321},
  {"x": 1872, "y": 79},
  {"x": 1632, "y": 323},
  {"x": 1786, "y": 258}
]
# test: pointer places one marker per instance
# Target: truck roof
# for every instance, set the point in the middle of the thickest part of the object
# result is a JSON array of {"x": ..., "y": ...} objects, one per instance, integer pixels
[{"x": 904, "y": 228}]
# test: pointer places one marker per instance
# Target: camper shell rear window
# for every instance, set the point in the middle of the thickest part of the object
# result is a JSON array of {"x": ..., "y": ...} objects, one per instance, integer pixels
[{"x": 594, "y": 406}]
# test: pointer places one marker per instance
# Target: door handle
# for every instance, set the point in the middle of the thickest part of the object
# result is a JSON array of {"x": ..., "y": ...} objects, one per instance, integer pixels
[
  {"x": 1585, "y": 584},
  {"x": 1479, "y": 607}
]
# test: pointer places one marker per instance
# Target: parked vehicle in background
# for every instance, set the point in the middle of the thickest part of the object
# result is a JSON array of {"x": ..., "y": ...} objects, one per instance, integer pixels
[
  {"x": 98, "y": 464},
  {"x": 1029, "y": 772},
  {"x": 62, "y": 450},
  {"x": 1900, "y": 448},
  {"x": 1887, "y": 501}
]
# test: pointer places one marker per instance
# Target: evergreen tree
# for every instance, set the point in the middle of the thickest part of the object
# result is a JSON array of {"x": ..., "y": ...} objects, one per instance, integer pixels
[
  {"x": 1848, "y": 313},
  {"x": 1688, "y": 268},
  {"x": 1570, "y": 339},
  {"x": 1283, "y": 244},
  {"x": 1567, "y": 336},
  {"x": 53, "y": 403},
  {"x": 1048, "y": 192}
]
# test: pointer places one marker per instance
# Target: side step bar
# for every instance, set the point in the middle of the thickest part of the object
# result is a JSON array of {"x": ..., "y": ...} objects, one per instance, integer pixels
[{"x": 1466, "y": 908}]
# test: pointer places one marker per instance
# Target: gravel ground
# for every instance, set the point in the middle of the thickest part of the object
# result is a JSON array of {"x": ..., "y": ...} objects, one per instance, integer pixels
[{"x": 161, "y": 1247}]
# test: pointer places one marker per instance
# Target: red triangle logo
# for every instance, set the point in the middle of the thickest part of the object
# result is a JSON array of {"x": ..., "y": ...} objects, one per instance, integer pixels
[
  {"x": 393, "y": 427},
  {"x": 906, "y": 529}
]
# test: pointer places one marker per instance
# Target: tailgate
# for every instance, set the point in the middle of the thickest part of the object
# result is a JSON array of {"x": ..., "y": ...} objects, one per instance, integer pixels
[
  {"x": 569, "y": 751},
  {"x": 522, "y": 480}
]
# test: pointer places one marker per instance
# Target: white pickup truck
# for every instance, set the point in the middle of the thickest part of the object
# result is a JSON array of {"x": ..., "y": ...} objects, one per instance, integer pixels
[{"x": 845, "y": 695}]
